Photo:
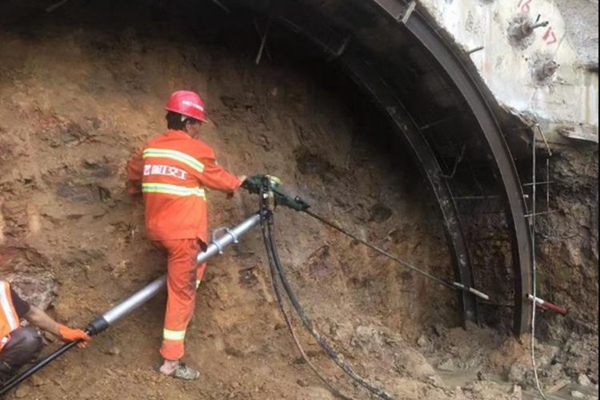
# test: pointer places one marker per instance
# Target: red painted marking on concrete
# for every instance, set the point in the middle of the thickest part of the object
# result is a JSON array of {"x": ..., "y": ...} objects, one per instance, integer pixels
[
  {"x": 549, "y": 34},
  {"x": 524, "y": 5}
]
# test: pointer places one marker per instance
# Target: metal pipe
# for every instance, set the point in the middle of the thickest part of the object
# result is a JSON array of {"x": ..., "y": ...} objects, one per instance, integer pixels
[
  {"x": 548, "y": 306},
  {"x": 475, "y": 50},
  {"x": 476, "y": 292},
  {"x": 548, "y": 186},
  {"x": 542, "y": 213},
  {"x": 529, "y": 28},
  {"x": 263, "y": 42},
  {"x": 534, "y": 264},
  {"x": 547, "y": 182},
  {"x": 134, "y": 301},
  {"x": 477, "y": 197},
  {"x": 142, "y": 296},
  {"x": 137, "y": 299},
  {"x": 545, "y": 141}
]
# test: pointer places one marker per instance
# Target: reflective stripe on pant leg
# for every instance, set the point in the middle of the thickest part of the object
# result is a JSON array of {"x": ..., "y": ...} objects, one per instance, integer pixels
[
  {"x": 181, "y": 295},
  {"x": 173, "y": 335}
]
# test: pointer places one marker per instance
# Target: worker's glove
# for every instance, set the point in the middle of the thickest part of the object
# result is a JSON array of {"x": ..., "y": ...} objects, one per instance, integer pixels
[
  {"x": 69, "y": 335},
  {"x": 252, "y": 183}
]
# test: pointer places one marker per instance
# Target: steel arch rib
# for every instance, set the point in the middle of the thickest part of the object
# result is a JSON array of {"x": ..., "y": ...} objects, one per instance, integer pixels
[
  {"x": 330, "y": 41},
  {"x": 302, "y": 20},
  {"x": 374, "y": 85},
  {"x": 298, "y": 18},
  {"x": 466, "y": 84}
]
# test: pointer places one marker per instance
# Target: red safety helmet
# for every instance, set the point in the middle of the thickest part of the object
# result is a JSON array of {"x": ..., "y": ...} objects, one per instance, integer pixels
[{"x": 187, "y": 103}]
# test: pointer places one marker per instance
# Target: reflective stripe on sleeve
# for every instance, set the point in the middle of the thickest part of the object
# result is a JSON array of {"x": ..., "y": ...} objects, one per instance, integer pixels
[
  {"x": 173, "y": 335},
  {"x": 175, "y": 155},
  {"x": 172, "y": 189},
  {"x": 7, "y": 309}
]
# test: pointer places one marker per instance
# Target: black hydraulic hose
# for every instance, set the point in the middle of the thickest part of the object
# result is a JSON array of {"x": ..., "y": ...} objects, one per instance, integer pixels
[
  {"x": 265, "y": 210},
  {"x": 98, "y": 325},
  {"x": 275, "y": 196},
  {"x": 309, "y": 326},
  {"x": 95, "y": 327},
  {"x": 16, "y": 380},
  {"x": 274, "y": 279}
]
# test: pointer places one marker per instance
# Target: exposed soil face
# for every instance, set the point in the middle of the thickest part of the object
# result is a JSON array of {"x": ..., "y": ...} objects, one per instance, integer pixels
[
  {"x": 568, "y": 255},
  {"x": 76, "y": 99}
]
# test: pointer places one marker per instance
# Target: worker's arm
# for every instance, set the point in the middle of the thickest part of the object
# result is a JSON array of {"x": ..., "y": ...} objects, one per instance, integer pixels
[
  {"x": 40, "y": 319},
  {"x": 216, "y": 177},
  {"x": 135, "y": 172}
]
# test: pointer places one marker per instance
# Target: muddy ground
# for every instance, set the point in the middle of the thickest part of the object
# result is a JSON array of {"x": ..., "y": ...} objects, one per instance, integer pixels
[{"x": 77, "y": 97}]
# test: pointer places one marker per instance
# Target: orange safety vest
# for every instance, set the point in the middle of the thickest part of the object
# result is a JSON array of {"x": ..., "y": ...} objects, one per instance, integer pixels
[
  {"x": 9, "y": 320},
  {"x": 173, "y": 171}
]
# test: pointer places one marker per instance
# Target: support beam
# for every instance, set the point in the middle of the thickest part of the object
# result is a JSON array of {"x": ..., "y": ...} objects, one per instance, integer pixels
[
  {"x": 372, "y": 83},
  {"x": 513, "y": 193}
]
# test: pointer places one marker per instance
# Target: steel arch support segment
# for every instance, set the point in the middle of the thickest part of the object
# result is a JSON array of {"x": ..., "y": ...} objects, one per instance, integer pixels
[
  {"x": 465, "y": 83},
  {"x": 298, "y": 18},
  {"x": 372, "y": 84}
]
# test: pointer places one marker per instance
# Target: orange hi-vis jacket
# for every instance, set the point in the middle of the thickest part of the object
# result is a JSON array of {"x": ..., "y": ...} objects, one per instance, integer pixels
[
  {"x": 173, "y": 171},
  {"x": 9, "y": 319}
]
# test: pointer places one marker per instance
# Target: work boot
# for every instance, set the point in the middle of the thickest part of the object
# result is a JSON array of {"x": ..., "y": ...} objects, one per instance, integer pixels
[{"x": 182, "y": 371}]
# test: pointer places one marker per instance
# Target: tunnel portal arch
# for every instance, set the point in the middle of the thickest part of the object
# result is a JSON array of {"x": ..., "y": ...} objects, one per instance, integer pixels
[{"x": 319, "y": 22}]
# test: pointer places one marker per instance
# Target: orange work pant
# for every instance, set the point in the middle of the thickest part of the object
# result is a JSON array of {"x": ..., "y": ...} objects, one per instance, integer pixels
[{"x": 182, "y": 281}]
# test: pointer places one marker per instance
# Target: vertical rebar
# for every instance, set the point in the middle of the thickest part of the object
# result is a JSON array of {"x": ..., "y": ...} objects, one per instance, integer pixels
[
  {"x": 548, "y": 184},
  {"x": 263, "y": 42},
  {"x": 533, "y": 263}
]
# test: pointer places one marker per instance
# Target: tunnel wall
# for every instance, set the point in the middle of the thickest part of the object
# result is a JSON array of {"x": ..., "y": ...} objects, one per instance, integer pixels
[
  {"x": 553, "y": 72},
  {"x": 564, "y": 104}
]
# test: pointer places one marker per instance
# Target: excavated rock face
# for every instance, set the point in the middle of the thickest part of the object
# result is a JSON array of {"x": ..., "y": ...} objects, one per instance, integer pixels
[
  {"x": 568, "y": 258},
  {"x": 74, "y": 102},
  {"x": 568, "y": 239},
  {"x": 36, "y": 289},
  {"x": 77, "y": 97}
]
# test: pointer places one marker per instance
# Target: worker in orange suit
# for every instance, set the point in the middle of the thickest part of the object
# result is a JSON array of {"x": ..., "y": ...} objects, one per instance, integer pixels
[
  {"x": 20, "y": 345},
  {"x": 173, "y": 172}
]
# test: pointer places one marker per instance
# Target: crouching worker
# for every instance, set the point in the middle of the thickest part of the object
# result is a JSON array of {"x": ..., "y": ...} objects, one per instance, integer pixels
[{"x": 20, "y": 345}]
